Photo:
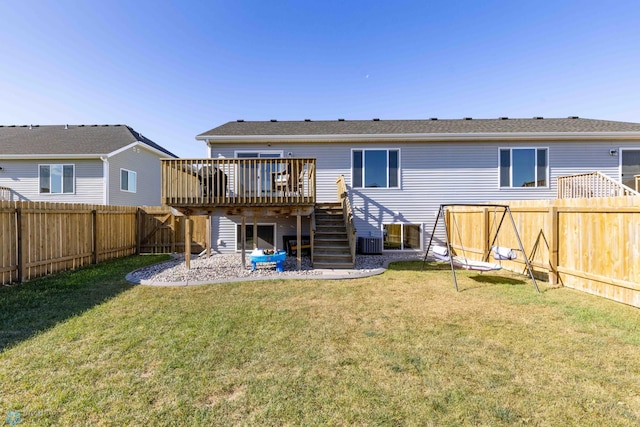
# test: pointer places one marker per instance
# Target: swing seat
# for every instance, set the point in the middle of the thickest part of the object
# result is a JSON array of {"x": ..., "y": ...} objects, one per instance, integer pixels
[
  {"x": 469, "y": 264},
  {"x": 441, "y": 253},
  {"x": 502, "y": 253}
]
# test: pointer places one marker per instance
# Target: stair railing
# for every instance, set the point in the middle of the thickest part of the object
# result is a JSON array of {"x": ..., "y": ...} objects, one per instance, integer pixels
[
  {"x": 347, "y": 212},
  {"x": 594, "y": 184}
]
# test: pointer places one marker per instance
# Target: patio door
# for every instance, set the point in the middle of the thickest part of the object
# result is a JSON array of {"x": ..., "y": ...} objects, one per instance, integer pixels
[
  {"x": 266, "y": 238},
  {"x": 630, "y": 166},
  {"x": 256, "y": 179}
]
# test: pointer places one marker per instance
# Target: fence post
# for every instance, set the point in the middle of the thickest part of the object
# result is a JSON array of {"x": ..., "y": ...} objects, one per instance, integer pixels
[
  {"x": 20, "y": 245},
  {"x": 94, "y": 227},
  {"x": 138, "y": 230},
  {"x": 485, "y": 234},
  {"x": 553, "y": 245}
]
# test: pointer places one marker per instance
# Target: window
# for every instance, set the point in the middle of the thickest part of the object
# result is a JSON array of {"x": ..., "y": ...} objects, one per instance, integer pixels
[
  {"x": 399, "y": 237},
  {"x": 266, "y": 236},
  {"x": 523, "y": 167},
  {"x": 376, "y": 168},
  {"x": 128, "y": 180},
  {"x": 57, "y": 179},
  {"x": 630, "y": 167}
]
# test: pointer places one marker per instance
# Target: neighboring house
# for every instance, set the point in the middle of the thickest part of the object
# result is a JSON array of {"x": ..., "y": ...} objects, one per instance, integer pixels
[
  {"x": 96, "y": 164},
  {"x": 398, "y": 172}
]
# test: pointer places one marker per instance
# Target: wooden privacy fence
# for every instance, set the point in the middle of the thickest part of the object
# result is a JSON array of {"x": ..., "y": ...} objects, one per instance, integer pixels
[
  {"x": 592, "y": 245},
  {"x": 37, "y": 238},
  {"x": 42, "y": 238}
]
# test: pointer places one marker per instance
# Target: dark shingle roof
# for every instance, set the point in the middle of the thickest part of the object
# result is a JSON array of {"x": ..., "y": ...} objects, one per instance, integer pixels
[
  {"x": 70, "y": 140},
  {"x": 408, "y": 127}
]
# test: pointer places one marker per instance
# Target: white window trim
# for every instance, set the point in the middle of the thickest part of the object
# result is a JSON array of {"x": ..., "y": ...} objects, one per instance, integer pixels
[
  {"x": 420, "y": 226},
  {"x": 399, "y": 177},
  {"x": 128, "y": 173},
  {"x": 620, "y": 150},
  {"x": 63, "y": 165},
  {"x": 236, "y": 152},
  {"x": 511, "y": 187},
  {"x": 250, "y": 225}
]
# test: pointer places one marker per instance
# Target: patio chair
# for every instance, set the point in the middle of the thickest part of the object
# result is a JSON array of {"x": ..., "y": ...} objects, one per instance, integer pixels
[{"x": 286, "y": 181}]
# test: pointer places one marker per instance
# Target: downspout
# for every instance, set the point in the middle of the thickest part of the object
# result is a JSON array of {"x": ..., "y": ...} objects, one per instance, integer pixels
[{"x": 105, "y": 180}]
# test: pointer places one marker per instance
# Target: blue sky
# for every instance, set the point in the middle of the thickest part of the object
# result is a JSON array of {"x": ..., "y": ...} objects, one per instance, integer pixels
[{"x": 173, "y": 69}]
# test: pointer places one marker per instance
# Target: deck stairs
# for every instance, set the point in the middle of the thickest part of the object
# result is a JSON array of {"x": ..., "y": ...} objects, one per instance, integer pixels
[{"x": 330, "y": 242}]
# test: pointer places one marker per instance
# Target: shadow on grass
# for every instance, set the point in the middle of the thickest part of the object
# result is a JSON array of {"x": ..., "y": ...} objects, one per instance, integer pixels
[
  {"x": 30, "y": 308},
  {"x": 496, "y": 280},
  {"x": 417, "y": 266}
]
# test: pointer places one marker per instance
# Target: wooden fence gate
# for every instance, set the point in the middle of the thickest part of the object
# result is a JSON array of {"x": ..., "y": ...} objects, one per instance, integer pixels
[{"x": 160, "y": 231}]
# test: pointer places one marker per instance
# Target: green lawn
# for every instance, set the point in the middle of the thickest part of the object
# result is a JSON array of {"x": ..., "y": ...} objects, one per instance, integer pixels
[{"x": 403, "y": 348}]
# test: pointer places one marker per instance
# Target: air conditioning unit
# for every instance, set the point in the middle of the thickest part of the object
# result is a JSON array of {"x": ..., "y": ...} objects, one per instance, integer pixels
[{"x": 370, "y": 245}]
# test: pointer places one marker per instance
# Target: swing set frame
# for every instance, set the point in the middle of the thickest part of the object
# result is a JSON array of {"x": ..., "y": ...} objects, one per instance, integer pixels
[{"x": 505, "y": 212}]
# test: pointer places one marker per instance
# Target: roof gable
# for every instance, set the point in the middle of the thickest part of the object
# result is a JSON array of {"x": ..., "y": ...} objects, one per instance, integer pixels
[{"x": 70, "y": 140}]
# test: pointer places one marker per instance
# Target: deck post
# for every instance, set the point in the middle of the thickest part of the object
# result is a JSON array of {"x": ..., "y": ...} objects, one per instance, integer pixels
[
  {"x": 299, "y": 241},
  {"x": 255, "y": 233},
  {"x": 208, "y": 237},
  {"x": 243, "y": 240},
  {"x": 187, "y": 242}
]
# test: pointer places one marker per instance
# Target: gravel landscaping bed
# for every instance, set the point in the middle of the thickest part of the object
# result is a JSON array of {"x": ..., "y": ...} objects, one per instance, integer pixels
[{"x": 229, "y": 266}]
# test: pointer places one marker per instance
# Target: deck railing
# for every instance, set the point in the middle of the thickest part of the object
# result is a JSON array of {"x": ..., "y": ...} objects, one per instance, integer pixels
[
  {"x": 347, "y": 211},
  {"x": 5, "y": 193},
  {"x": 238, "y": 182},
  {"x": 594, "y": 184}
]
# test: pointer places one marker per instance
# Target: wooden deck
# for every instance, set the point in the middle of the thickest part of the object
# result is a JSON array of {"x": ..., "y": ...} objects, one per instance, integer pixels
[{"x": 255, "y": 187}]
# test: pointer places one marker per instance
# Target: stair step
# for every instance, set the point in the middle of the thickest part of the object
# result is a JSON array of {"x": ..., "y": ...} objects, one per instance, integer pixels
[
  {"x": 333, "y": 266},
  {"x": 332, "y": 250},
  {"x": 331, "y": 243},
  {"x": 332, "y": 259}
]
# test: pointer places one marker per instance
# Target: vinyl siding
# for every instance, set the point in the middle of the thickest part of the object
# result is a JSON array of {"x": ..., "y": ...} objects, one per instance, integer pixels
[
  {"x": 434, "y": 174},
  {"x": 22, "y": 177},
  {"x": 146, "y": 164}
]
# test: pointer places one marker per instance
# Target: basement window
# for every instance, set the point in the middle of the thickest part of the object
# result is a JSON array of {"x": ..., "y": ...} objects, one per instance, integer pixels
[{"x": 400, "y": 237}]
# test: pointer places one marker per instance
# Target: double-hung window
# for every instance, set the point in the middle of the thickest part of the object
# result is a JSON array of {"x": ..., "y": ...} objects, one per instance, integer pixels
[
  {"x": 376, "y": 168},
  {"x": 524, "y": 167},
  {"x": 57, "y": 179},
  {"x": 128, "y": 180}
]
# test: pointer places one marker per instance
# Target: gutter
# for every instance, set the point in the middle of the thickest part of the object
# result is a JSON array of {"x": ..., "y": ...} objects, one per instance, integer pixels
[{"x": 105, "y": 181}]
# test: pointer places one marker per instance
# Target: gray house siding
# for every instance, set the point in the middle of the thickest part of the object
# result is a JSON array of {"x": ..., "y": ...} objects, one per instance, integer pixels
[
  {"x": 22, "y": 177},
  {"x": 146, "y": 165},
  {"x": 432, "y": 173}
]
